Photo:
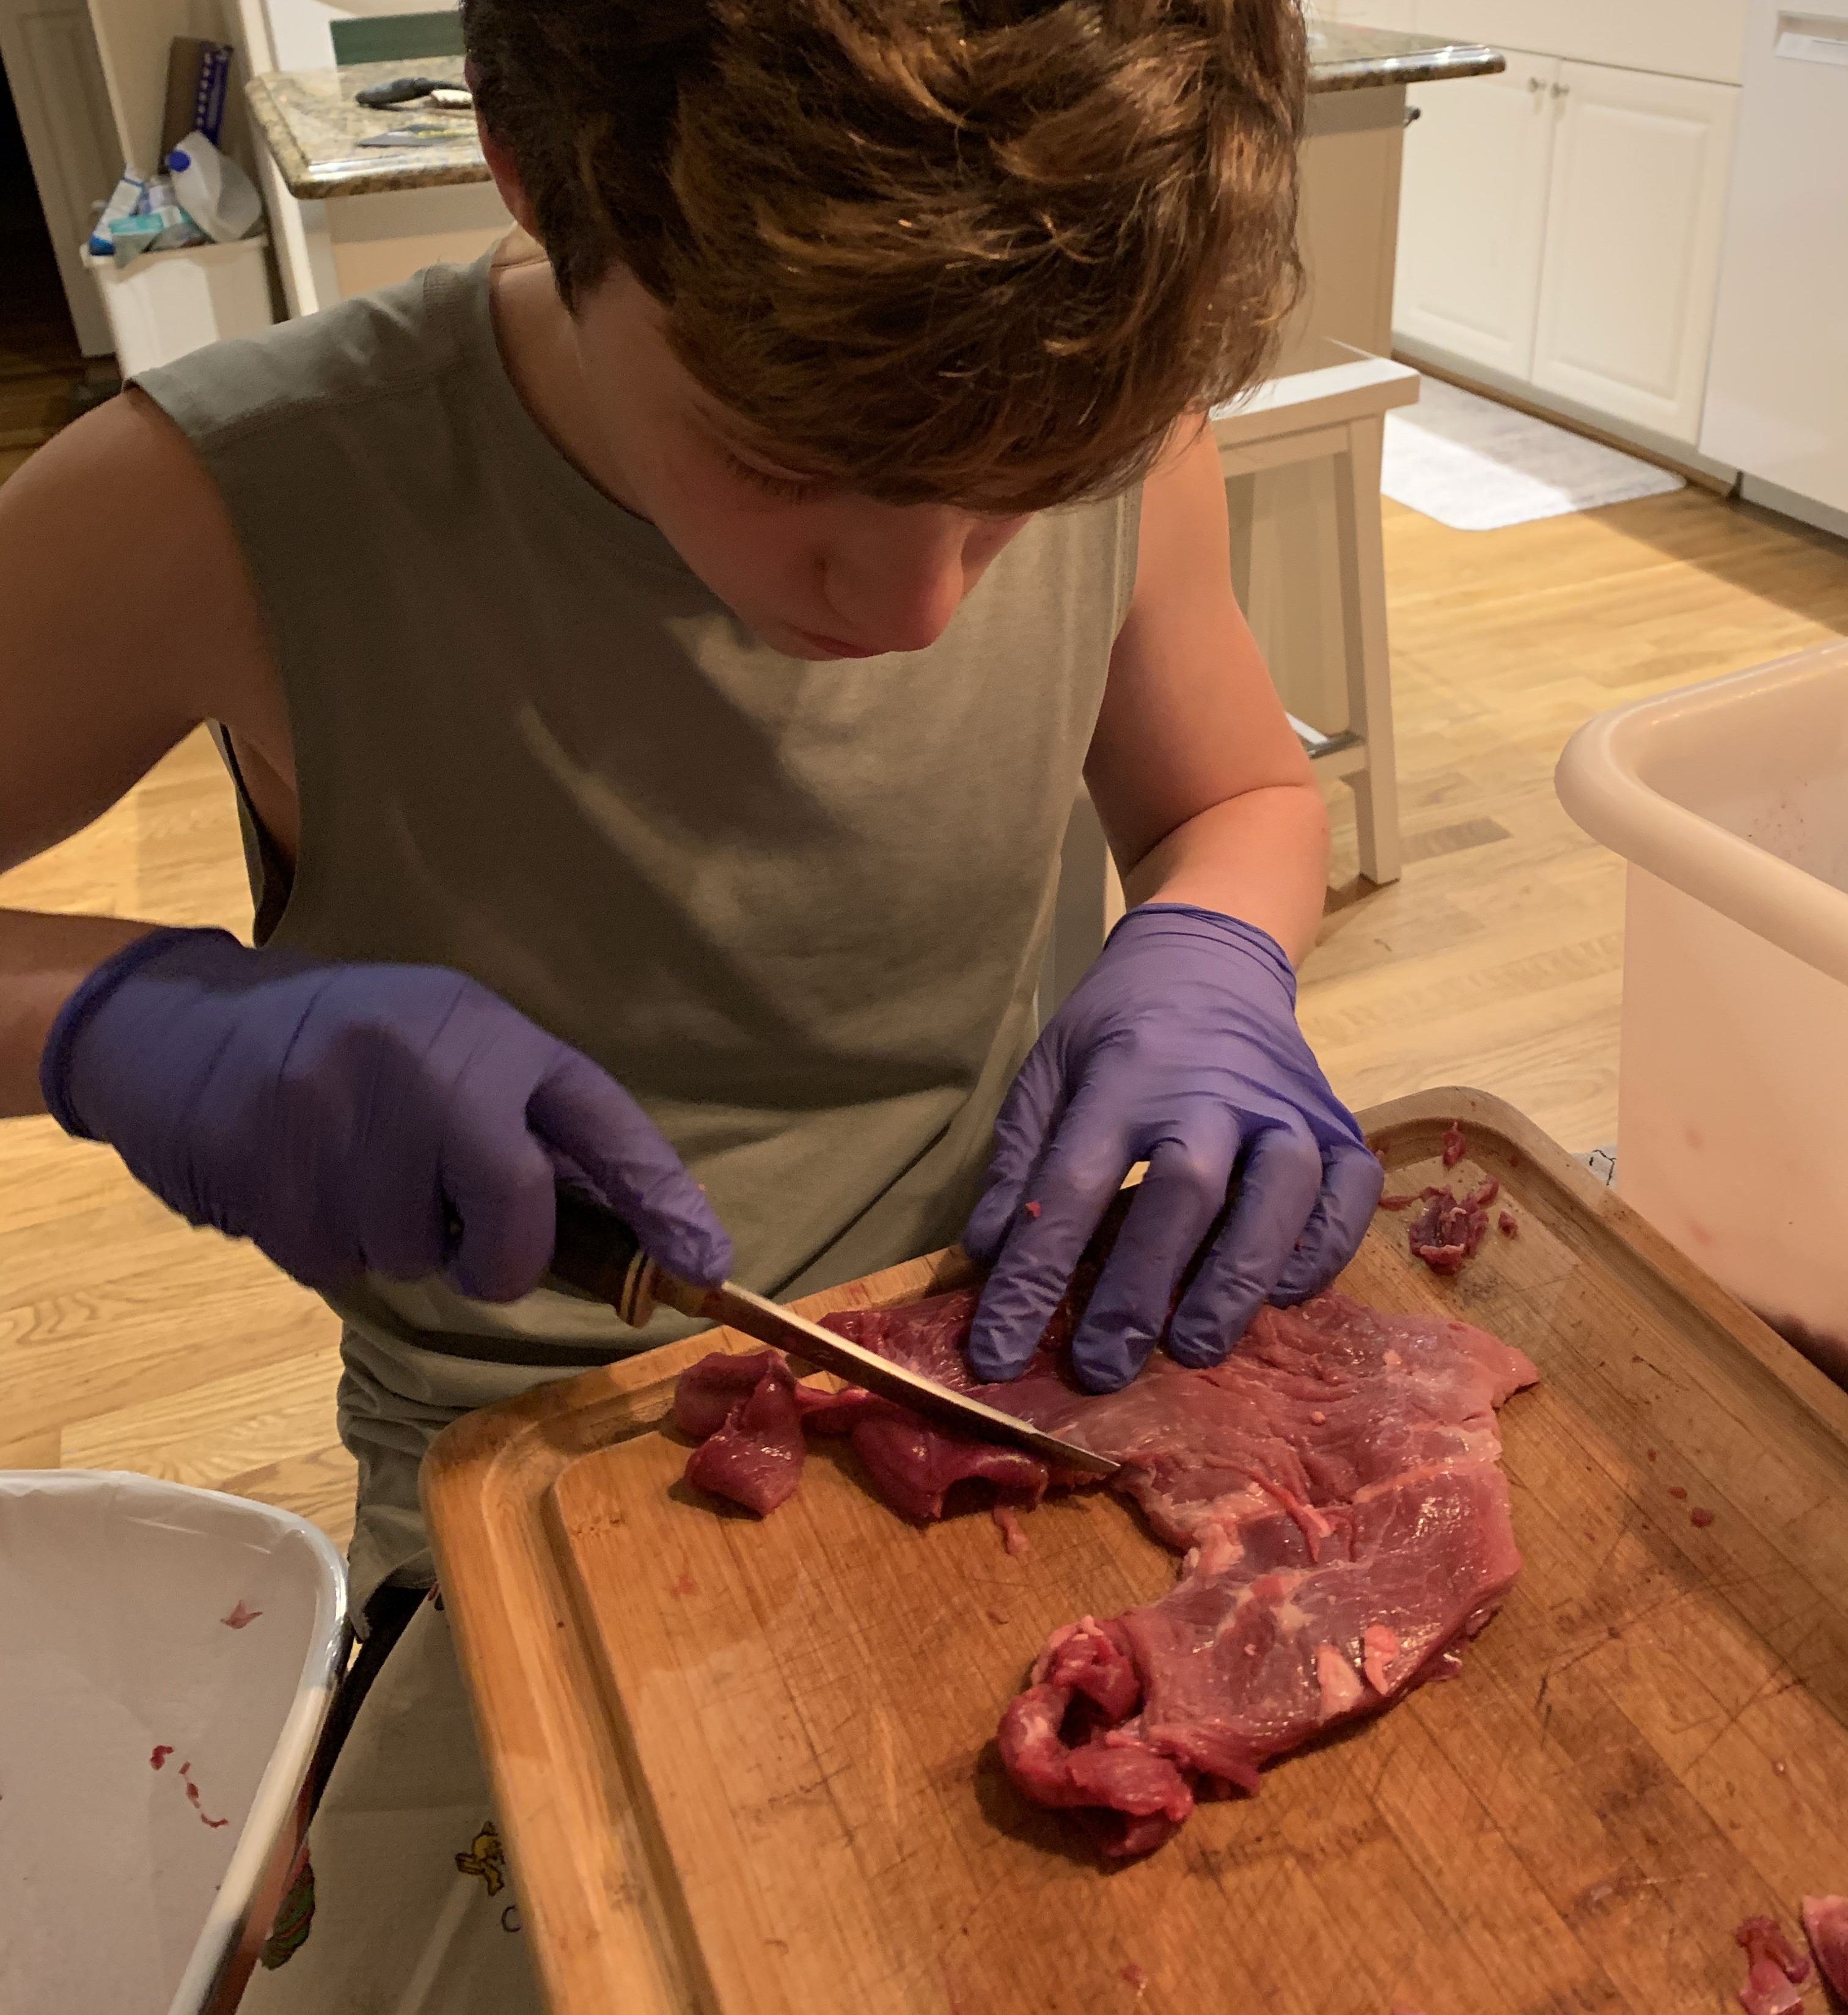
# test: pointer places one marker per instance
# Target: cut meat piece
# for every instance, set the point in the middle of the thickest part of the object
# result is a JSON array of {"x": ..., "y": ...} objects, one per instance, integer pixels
[
  {"x": 755, "y": 1458},
  {"x": 1334, "y": 1484},
  {"x": 1767, "y": 1992},
  {"x": 1777, "y": 1969},
  {"x": 1448, "y": 1229},
  {"x": 1455, "y": 1147},
  {"x": 706, "y": 1392},
  {"x": 1825, "y": 1922},
  {"x": 1762, "y": 1938}
]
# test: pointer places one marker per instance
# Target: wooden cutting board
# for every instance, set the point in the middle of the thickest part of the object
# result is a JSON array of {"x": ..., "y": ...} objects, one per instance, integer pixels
[{"x": 747, "y": 1768}]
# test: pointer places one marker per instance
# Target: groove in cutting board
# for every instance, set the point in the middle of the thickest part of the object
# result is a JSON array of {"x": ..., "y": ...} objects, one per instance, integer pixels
[{"x": 796, "y": 1715}]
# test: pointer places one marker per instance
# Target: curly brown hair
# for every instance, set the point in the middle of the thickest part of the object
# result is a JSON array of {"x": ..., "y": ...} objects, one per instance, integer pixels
[{"x": 979, "y": 251}]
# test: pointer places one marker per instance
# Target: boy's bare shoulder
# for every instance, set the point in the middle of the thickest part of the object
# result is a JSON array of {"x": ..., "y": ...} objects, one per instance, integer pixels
[{"x": 130, "y": 616}]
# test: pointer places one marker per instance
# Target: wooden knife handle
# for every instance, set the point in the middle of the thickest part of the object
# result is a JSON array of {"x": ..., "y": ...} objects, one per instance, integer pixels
[{"x": 596, "y": 1252}]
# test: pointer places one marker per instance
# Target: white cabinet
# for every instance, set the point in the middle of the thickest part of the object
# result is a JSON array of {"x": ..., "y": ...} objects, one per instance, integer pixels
[
  {"x": 1631, "y": 266},
  {"x": 1561, "y": 229},
  {"x": 1472, "y": 214}
]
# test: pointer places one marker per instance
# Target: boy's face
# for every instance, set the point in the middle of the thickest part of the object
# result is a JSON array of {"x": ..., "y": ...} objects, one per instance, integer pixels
[{"x": 816, "y": 572}]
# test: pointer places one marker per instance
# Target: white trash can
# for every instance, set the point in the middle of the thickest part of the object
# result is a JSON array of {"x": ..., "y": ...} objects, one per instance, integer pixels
[
  {"x": 1730, "y": 801},
  {"x": 164, "y": 304},
  {"x": 166, "y": 1656}
]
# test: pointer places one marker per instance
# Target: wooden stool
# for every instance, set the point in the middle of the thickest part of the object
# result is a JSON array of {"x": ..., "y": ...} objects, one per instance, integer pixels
[{"x": 1336, "y": 412}]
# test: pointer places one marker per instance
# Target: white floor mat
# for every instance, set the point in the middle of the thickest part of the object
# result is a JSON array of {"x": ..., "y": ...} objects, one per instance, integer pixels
[{"x": 1476, "y": 466}]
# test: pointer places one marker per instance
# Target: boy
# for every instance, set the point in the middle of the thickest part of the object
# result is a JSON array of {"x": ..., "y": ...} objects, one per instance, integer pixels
[{"x": 656, "y": 676}]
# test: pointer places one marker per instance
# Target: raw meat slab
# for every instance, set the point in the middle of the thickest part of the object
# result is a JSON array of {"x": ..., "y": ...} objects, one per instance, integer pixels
[{"x": 746, "y": 1767}]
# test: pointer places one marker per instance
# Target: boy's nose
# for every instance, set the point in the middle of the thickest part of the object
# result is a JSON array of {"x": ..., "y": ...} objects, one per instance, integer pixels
[{"x": 895, "y": 587}]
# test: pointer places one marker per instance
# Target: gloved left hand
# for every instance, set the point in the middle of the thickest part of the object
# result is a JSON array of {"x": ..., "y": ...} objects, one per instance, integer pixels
[{"x": 1179, "y": 1047}]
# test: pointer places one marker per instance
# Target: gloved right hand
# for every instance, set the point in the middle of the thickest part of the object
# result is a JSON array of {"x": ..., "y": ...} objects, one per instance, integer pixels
[{"x": 399, "y": 1117}]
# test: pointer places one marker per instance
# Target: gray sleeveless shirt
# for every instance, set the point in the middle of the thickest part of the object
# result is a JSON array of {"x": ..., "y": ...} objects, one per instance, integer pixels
[{"x": 798, "y": 910}]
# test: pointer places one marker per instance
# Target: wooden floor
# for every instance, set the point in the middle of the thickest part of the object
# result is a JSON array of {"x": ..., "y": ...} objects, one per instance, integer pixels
[
  {"x": 128, "y": 1341},
  {"x": 40, "y": 362}
]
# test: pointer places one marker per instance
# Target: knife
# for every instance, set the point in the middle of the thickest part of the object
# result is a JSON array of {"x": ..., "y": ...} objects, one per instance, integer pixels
[{"x": 595, "y": 1251}]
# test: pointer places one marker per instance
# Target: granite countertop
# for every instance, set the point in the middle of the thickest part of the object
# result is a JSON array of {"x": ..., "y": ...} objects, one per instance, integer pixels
[
  {"x": 1343, "y": 57},
  {"x": 314, "y": 128}
]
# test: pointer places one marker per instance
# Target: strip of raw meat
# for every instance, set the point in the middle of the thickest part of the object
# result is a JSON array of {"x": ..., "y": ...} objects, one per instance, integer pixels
[
  {"x": 755, "y": 1457},
  {"x": 1825, "y": 1921},
  {"x": 732, "y": 1399},
  {"x": 1335, "y": 1488}
]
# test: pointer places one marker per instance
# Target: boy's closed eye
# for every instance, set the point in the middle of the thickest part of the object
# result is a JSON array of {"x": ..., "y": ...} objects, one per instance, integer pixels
[{"x": 787, "y": 489}]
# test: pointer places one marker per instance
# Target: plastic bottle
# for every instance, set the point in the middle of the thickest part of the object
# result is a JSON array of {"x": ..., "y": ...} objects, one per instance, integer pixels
[{"x": 213, "y": 191}]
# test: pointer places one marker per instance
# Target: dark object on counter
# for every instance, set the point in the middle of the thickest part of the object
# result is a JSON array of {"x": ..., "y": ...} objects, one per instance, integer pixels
[{"x": 400, "y": 91}]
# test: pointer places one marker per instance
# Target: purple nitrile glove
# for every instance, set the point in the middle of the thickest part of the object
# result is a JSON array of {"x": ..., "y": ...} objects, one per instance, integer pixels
[
  {"x": 400, "y": 1117},
  {"x": 1179, "y": 1047}
]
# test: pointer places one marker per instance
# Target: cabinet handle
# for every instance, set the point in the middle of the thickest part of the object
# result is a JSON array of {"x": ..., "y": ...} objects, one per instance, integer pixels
[
  {"x": 1537, "y": 85},
  {"x": 1563, "y": 91}
]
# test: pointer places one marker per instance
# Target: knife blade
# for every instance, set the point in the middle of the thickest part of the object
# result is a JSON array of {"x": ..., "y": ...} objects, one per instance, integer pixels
[{"x": 597, "y": 1253}]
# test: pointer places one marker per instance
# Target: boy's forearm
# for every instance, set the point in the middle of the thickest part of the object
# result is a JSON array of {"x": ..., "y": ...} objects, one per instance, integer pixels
[
  {"x": 1262, "y": 856},
  {"x": 42, "y": 961}
]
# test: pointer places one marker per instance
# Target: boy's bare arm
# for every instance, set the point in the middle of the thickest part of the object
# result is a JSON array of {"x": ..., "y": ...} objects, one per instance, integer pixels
[
  {"x": 127, "y": 618},
  {"x": 1199, "y": 782}
]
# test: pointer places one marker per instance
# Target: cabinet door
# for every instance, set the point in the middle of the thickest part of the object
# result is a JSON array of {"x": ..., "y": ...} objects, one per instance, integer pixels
[
  {"x": 1472, "y": 214},
  {"x": 1633, "y": 230}
]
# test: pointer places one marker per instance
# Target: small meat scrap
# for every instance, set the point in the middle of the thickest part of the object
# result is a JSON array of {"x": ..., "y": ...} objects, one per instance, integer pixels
[
  {"x": 240, "y": 1616},
  {"x": 1508, "y": 1224},
  {"x": 1135, "y": 1976},
  {"x": 1826, "y": 1921},
  {"x": 192, "y": 1798},
  {"x": 1677, "y": 1493},
  {"x": 1012, "y": 1534},
  {"x": 1455, "y": 1147},
  {"x": 1447, "y": 1230},
  {"x": 162, "y": 1751},
  {"x": 1777, "y": 1969},
  {"x": 1700, "y": 1516},
  {"x": 1397, "y": 1202}
]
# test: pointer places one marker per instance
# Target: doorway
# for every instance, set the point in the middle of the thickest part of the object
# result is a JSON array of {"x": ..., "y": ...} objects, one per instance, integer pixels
[{"x": 41, "y": 365}]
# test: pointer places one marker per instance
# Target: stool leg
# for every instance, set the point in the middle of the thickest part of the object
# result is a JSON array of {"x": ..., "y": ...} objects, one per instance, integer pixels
[{"x": 1362, "y": 556}]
